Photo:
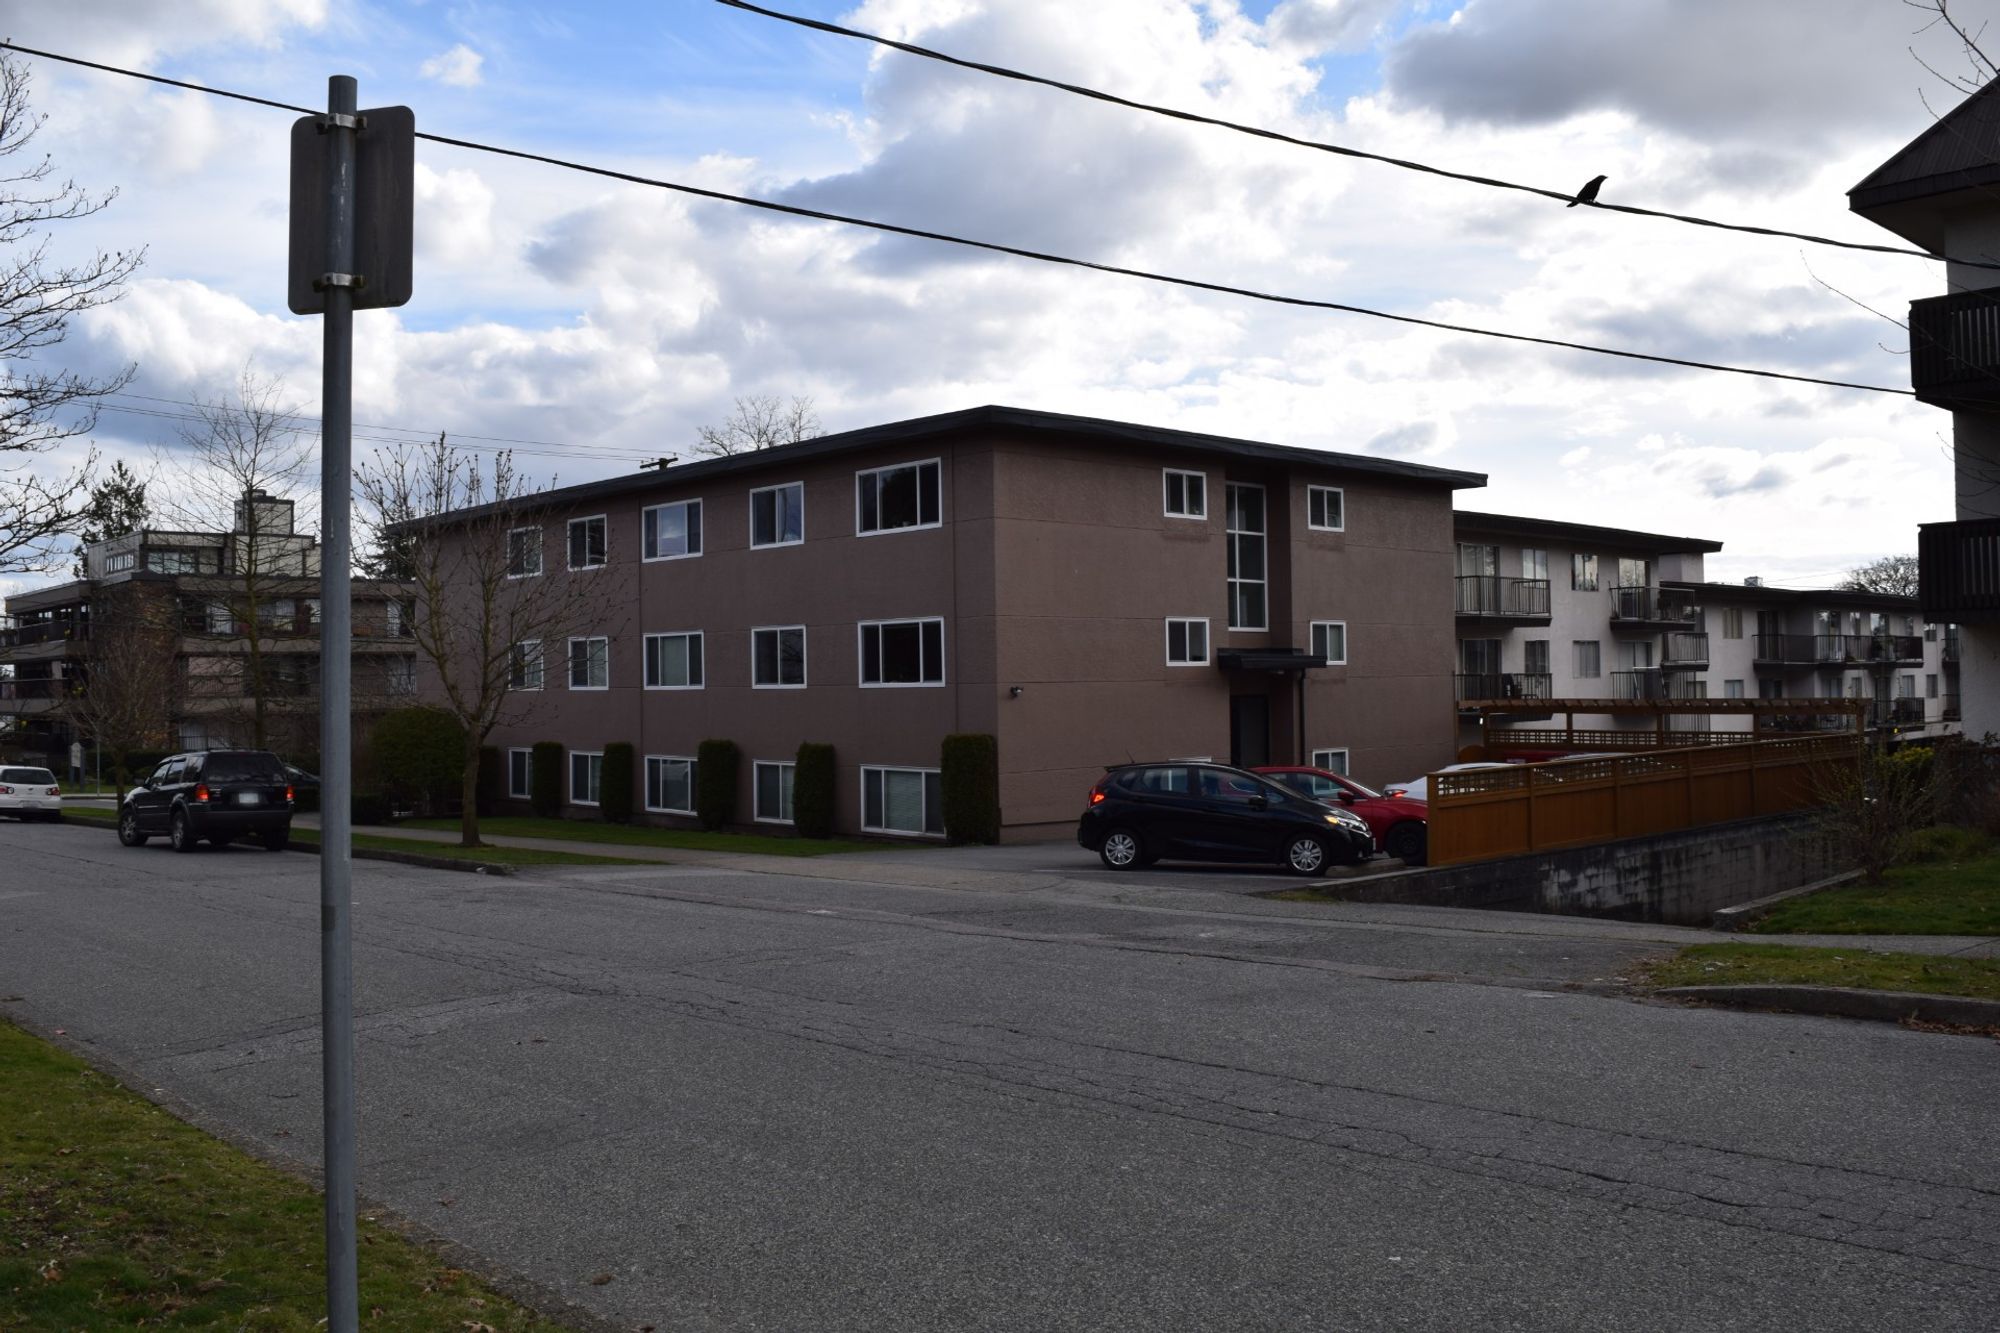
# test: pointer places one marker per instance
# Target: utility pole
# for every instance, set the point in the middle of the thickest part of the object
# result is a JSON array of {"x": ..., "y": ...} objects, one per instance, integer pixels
[{"x": 352, "y": 187}]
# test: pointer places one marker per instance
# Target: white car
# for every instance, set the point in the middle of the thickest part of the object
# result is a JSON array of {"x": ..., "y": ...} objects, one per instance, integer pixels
[
  {"x": 30, "y": 793},
  {"x": 1419, "y": 788}
]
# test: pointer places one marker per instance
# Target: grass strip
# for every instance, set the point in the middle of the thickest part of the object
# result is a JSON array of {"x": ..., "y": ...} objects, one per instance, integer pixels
[
  {"x": 508, "y": 856},
  {"x": 1947, "y": 897},
  {"x": 1781, "y": 964},
  {"x": 634, "y": 835},
  {"x": 121, "y": 1216}
]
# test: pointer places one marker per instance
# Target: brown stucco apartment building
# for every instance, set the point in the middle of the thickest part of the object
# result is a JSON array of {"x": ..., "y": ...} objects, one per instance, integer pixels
[{"x": 1087, "y": 591}]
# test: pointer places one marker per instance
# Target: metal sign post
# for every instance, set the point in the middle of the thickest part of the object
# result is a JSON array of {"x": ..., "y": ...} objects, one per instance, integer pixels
[{"x": 352, "y": 187}]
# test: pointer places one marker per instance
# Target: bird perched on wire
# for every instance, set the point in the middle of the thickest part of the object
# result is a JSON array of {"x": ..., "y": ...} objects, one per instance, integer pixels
[{"x": 1588, "y": 194}]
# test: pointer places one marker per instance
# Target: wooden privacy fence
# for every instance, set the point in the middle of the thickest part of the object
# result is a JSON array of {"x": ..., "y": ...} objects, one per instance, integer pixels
[{"x": 1479, "y": 814}]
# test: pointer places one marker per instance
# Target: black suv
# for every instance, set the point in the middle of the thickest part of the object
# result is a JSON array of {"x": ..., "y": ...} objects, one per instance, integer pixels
[
  {"x": 1142, "y": 813},
  {"x": 220, "y": 795}
]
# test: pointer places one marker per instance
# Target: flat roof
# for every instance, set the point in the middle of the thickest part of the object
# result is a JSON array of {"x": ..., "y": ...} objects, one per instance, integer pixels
[
  {"x": 1014, "y": 420},
  {"x": 1749, "y": 592},
  {"x": 1515, "y": 525}
]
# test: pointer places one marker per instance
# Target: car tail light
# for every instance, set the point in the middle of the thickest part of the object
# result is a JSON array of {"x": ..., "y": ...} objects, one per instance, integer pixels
[
  {"x": 55, "y": 791},
  {"x": 1097, "y": 793},
  {"x": 288, "y": 794},
  {"x": 201, "y": 791},
  {"x": 6, "y": 791}
]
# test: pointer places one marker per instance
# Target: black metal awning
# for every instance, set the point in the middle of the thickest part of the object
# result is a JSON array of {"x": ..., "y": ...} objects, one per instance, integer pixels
[{"x": 1282, "y": 661}]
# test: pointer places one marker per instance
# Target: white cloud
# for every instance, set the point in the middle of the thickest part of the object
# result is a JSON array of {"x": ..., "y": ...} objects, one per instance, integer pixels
[{"x": 456, "y": 68}]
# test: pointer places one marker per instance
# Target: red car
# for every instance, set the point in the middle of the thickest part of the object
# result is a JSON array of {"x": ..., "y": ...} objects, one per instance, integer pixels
[{"x": 1401, "y": 824}]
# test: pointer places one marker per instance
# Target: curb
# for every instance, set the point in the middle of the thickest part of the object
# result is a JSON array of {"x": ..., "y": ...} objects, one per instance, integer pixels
[
  {"x": 372, "y": 854},
  {"x": 1884, "y": 1006},
  {"x": 1739, "y": 915}
]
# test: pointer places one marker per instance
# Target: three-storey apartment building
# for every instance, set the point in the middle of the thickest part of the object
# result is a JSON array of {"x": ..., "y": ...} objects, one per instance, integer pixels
[{"x": 1087, "y": 591}]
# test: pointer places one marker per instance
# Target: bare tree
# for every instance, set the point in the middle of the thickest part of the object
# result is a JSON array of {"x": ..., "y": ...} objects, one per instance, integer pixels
[
  {"x": 464, "y": 534},
  {"x": 122, "y": 701},
  {"x": 245, "y": 457},
  {"x": 41, "y": 408},
  {"x": 1871, "y": 810},
  {"x": 1893, "y": 574},
  {"x": 760, "y": 421}
]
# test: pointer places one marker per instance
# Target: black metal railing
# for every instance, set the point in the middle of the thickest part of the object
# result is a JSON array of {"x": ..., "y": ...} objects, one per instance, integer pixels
[
  {"x": 1955, "y": 347},
  {"x": 43, "y": 631},
  {"x": 1958, "y": 570},
  {"x": 1652, "y": 684},
  {"x": 1503, "y": 597},
  {"x": 1649, "y": 605},
  {"x": 1949, "y": 653},
  {"x": 1949, "y": 712},
  {"x": 1684, "y": 649},
  {"x": 1789, "y": 649},
  {"x": 36, "y": 688},
  {"x": 1905, "y": 712},
  {"x": 1492, "y": 685}
]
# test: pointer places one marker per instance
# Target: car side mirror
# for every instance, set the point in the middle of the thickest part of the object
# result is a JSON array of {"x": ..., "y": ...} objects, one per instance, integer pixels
[
  {"x": 1260, "y": 803},
  {"x": 1346, "y": 796}
]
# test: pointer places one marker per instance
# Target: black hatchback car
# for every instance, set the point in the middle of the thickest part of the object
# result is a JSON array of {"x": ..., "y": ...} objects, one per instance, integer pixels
[
  {"x": 218, "y": 795},
  {"x": 1142, "y": 813}
]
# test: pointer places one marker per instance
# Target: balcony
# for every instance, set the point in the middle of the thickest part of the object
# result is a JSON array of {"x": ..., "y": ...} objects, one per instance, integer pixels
[
  {"x": 1652, "y": 685},
  {"x": 1958, "y": 571},
  {"x": 1488, "y": 686},
  {"x": 1882, "y": 649},
  {"x": 1950, "y": 711},
  {"x": 43, "y": 631},
  {"x": 1907, "y": 712},
  {"x": 1495, "y": 598},
  {"x": 1955, "y": 349},
  {"x": 1797, "y": 650},
  {"x": 1949, "y": 653},
  {"x": 36, "y": 689},
  {"x": 1684, "y": 651},
  {"x": 1650, "y": 608}
]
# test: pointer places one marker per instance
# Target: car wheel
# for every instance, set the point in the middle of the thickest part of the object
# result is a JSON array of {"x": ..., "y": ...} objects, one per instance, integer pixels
[
  {"x": 276, "y": 839},
  {"x": 1408, "y": 843},
  {"x": 128, "y": 828},
  {"x": 1305, "y": 855},
  {"x": 1120, "y": 850},
  {"x": 179, "y": 835}
]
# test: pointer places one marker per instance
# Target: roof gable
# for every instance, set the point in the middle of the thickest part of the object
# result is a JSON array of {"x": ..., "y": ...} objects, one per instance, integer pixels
[{"x": 1960, "y": 153}]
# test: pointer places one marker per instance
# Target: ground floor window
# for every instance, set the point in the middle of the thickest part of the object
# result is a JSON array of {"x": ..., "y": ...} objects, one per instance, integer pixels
[
  {"x": 1333, "y": 761},
  {"x": 772, "y": 789},
  {"x": 520, "y": 774},
  {"x": 586, "y": 777},
  {"x": 902, "y": 800},
  {"x": 669, "y": 784}
]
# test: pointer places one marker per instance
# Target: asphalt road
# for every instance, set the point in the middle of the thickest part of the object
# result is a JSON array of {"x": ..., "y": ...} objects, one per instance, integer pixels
[{"x": 839, "y": 1099}]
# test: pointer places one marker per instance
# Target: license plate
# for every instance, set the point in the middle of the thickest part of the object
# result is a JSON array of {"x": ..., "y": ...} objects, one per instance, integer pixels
[{"x": 249, "y": 798}]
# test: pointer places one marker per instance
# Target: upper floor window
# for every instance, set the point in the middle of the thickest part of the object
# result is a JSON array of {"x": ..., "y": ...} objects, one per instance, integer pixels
[
  {"x": 524, "y": 666},
  {"x": 673, "y": 661},
  {"x": 1634, "y": 572},
  {"x": 174, "y": 562},
  {"x": 887, "y": 499},
  {"x": 1187, "y": 641},
  {"x": 1583, "y": 572},
  {"x": 902, "y": 652},
  {"x": 778, "y": 515},
  {"x": 118, "y": 564},
  {"x": 670, "y": 531},
  {"x": 586, "y": 542},
  {"x": 1732, "y": 622},
  {"x": 1247, "y": 608},
  {"x": 1534, "y": 563},
  {"x": 524, "y": 552},
  {"x": 400, "y": 675},
  {"x": 1186, "y": 493},
  {"x": 778, "y": 657},
  {"x": 1326, "y": 508},
  {"x": 1329, "y": 639},
  {"x": 590, "y": 664}
]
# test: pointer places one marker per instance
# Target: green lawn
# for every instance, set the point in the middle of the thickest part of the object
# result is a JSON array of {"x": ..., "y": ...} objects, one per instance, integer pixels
[
  {"x": 1954, "y": 895},
  {"x": 506, "y": 856},
  {"x": 634, "y": 835},
  {"x": 119, "y": 1216},
  {"x": 1767, "y": 964}
]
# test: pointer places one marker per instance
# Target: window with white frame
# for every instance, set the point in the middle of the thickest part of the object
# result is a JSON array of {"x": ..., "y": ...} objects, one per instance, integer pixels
[
  {"x": 1245, "y": 529},
  {"x": 902, "y": 652},
  {"x": 1187, "y": 641},
  {"x": 1186, "y": 493},
  {"x": 673, "y": 661},
  {"x": 400, "y": 675},
  {"x": 1329, "y": 640},
  {"x": 520, "y": 774},
  {"x": 1906, "y": 687},
  {"x": 670, "y": 531},
  {"x": 1732, "y": 622},
  {"x": 524, "y": 552},
  {"x": 890, "y": 499},
  {"x": 1326, "y": 508},
  {"x": 1583, "y": 572},
  {"x": 586, "y": 542},
  {"x": 670, "y": 784},
  {"x": 1586, "y": 659},
  {"x": 778, "y": 657},
  {"x": 902, "y": 800},
  {"x": 778, "y": 515},
  {"x": 1534, "y": 563},
  {"x": 590, "y": 664},
  {"x": 1333, "y": 761},
  {"x": 1732, "y": 689},
  {"x": 524, "y": 668},
  {"x": 586, "y": 777},
  {"x": 771, "y": 792}
]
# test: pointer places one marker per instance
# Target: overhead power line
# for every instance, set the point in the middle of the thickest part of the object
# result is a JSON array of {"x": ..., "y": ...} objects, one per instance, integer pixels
[
  {"x": 995, "y": 247},
  {"x": 1320, "y": 145}
]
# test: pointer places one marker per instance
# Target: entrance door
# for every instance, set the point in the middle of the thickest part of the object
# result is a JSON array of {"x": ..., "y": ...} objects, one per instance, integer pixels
[{"x": 1249, "y": 730}]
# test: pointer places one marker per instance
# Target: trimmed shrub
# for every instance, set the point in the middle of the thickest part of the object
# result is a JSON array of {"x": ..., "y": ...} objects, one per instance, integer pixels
[
  {"x": 492, "y": 779},
  {"x": 370, "y": 808},
  {"x": 813, "y": 791},
  {"x": 970, "y": 780},
  {"x": 717, "y": 765},
  {"x": 418, "y": 756},
  {"x": 614, "y": 797},
  {"x": 545, "y": 779}
]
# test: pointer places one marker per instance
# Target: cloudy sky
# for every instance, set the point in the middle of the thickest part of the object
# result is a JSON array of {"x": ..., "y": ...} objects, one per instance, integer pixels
[{"x": 607, "y": 322}]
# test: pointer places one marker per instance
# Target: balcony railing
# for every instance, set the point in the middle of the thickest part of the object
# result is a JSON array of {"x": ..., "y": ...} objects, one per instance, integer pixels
[
  {"x": 1684, "y": 649},
  {"x": 1797, "y": 649},
  {"x": 38, "y": 688},
  {"x": 1500, "y": 597},
  {"x": 1652, "y": 685},
  {"x": 44, "y": 631},
  {"x": 1906, "y": 712},
  {"x": 1644, "y": 606},
  {"x": 1949, "y": 654},
  {"x": 1955, "y": 348},
  {"x": 1949, "y": 713},
  {"x": 1491, "y": 685},
  {"x": 1958, "y": 570}
]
